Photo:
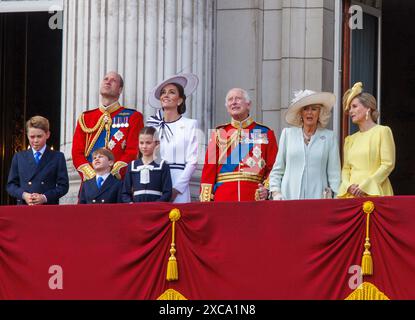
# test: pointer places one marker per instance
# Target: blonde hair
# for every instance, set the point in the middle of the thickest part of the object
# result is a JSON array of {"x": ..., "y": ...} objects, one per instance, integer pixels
[
  {"x": 38, "y": 122},
  {"x": 324, "y": 117},
  {"x": 369, "y": 101}
]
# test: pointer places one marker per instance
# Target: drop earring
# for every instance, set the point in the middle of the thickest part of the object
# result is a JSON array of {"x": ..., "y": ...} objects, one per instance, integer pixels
[{"x": 367, "y": 115}]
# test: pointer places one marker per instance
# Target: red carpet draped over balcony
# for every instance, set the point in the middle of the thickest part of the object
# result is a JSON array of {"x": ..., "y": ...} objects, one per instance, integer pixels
[{"x": 268, "y": 250}]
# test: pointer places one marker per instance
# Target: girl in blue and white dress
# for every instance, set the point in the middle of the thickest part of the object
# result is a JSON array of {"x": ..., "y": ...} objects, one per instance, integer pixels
[
  {"x": 148, "y": 178},
  {"x": 178, "y": 134}
]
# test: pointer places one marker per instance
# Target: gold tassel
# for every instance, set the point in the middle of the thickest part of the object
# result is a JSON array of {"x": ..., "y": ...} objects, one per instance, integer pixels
[
  {"x": 172, "y": 268},
  {"x": 367, "y": 262}
]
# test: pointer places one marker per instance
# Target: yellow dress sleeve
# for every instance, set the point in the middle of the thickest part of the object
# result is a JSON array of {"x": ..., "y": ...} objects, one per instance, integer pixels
[
  {"x": 373, "y": 184},
  {"x": 345, "y": 184}
]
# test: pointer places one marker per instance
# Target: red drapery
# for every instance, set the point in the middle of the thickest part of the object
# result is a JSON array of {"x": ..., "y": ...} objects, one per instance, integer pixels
[{"x": 268, "y": 250}]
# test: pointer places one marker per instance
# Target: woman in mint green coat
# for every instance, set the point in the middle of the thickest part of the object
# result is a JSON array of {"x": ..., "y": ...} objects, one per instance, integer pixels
[{"x": 308, "y": 162}]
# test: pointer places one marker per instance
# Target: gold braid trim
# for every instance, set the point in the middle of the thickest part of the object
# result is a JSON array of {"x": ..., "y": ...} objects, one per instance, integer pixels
[
  {"x": 117, "y": 168},
  {"x": 206, "y": 192},
  {"x": 87, "y": 171},
  {"x": 238, "y": 176},
  {"x": 104, "y": 122}
]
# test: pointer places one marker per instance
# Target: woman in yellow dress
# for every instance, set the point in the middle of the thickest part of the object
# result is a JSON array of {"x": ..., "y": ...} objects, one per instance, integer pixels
[{"x": 369, "y": 154}]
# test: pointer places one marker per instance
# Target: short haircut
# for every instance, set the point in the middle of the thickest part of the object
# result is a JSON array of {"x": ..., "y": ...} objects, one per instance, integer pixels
[
  {"x": 121, "y": 81},
  {"x": 38, "y": 122},
  {"x": 104, "y": 152},
  {"x": 245, "y": 94}
]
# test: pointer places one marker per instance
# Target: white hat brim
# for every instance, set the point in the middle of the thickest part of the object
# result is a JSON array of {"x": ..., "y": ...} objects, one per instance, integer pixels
[
  {"x": 325, "y": 99},
  {"x": 188, "y": 81}
]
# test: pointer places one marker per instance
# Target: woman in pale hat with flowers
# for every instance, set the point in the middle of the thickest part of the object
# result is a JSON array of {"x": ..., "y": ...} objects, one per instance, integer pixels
[
  {"x": 178, "y": 134},
  {"x": 369, "y": 154},
  {"x": 308, "y": 162}
]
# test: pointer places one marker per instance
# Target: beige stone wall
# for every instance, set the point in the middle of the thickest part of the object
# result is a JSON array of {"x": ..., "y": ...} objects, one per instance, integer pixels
[{"x": 272, "y": 48}]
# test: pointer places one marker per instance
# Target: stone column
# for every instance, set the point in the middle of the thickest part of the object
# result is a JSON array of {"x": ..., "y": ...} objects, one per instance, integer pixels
[
  {"x": 272, "y": 48},
  {"x": 145, "y": 41},
  {"x": 307, "y": 48}
]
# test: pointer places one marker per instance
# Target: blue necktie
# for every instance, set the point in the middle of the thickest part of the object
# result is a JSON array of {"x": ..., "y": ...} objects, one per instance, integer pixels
[
  {"x": 100, "y": 180},
  {"x": 37, "y": 157}
]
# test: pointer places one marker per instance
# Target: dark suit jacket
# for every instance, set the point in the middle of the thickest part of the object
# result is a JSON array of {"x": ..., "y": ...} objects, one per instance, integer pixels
[
  {"x": 110, "y": 191},
  {"x": 49, "y": 177}
]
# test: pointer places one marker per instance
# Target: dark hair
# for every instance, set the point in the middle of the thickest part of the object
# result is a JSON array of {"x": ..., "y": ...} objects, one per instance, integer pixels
[
  {"x": 148, "y": 130},
  {"x": 152, "y": 131},
  {"x": 181, "y": 109},
  {"x": 104, "y": 152}
]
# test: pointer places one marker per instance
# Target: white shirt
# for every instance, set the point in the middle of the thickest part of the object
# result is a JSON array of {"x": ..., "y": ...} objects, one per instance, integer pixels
[
  {"x": 104, "y": 177},
  {"x": 42, "y": 151}
]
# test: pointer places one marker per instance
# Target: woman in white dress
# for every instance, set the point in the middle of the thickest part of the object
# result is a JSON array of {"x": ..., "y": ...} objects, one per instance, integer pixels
[
  {"x": 178, "y": 134},
  {"x": 308, "y": 162}
]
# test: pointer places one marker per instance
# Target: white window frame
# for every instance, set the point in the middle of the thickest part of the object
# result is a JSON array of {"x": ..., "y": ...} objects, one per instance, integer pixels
[{"x": 31, "y": 6}]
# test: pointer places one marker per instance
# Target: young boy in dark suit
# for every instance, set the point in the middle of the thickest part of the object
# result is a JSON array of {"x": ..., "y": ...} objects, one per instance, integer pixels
[
  {"x": 104, "y": 188},
  {"x": 39, "y": 175}
]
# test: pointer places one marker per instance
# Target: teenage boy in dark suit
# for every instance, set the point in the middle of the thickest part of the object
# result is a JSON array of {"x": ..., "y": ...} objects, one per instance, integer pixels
[{"x": 39, "y": 175}]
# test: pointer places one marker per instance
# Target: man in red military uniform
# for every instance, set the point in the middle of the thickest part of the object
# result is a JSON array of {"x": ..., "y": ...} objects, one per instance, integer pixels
[
  {"x": 110, "y": 126},
  {"x": 240, "y": 155}
]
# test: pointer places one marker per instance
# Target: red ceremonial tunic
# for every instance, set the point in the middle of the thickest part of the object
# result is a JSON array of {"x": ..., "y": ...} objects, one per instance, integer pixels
[
  {"x": 116, "y": 129},
  {"x": 240, "y": 156}
]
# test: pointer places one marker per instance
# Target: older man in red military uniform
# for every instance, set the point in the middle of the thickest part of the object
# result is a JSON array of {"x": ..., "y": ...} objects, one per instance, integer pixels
[
  {"x": 240, "y": 155},
  {"x": 110, "y": 126}
]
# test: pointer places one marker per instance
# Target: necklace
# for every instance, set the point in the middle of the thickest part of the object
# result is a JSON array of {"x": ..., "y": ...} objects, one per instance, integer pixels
[{"x": 307, "y": 138}]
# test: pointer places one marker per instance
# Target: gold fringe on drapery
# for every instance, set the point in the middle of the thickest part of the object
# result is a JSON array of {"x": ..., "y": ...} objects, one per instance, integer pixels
[
  {"x": 367, "y": 291},
  {"x": 172, "y": 268},
  {"x": 367, "y": 262},
  {"x": 172, "y": 295}
]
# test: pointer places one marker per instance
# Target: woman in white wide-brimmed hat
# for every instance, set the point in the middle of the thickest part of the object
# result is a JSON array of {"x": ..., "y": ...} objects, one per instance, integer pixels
[
  {"x": 178, "y": 134},
  {"x": 308, "y": 162}
]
